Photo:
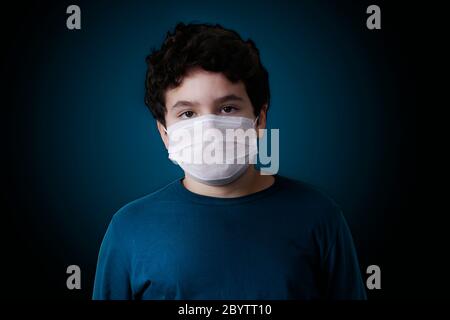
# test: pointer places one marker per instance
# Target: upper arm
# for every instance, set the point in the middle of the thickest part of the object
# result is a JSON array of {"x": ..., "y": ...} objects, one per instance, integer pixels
[
  {"x": 344, "y": 280},
  {"x": 112, "y": 277}
]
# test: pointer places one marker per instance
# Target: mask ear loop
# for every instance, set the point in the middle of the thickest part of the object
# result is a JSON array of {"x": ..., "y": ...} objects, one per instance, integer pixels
[
  {"x": 256, "y": 120},
  {"x": 256, "y": 129}
]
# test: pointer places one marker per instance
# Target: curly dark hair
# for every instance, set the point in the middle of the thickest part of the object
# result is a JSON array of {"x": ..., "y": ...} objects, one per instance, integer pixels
[{"x": 211, "y": 47}]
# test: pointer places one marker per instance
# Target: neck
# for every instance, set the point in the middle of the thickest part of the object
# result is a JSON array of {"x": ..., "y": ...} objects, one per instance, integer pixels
[{"x": 250, "y": 182}]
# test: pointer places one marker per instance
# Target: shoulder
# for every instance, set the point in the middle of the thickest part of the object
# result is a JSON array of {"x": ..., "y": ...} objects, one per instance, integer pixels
[
  {"x": 310, "y": 200},
  {"x": 306, "y": 193},
  {"x": 321, "y": 213},
  {"x": 145, "y": 206}
]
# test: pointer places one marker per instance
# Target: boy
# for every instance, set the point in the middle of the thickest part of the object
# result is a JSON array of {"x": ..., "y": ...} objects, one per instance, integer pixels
[{"x": 223, "y": 231}]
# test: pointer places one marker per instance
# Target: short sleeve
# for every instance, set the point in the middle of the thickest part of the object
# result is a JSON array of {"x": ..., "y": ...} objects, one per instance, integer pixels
[{"x": 112, "y": 281}]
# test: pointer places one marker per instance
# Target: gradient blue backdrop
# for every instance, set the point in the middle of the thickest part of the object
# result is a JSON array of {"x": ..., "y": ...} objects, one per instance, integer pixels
[{"x": 92, "y": 145}]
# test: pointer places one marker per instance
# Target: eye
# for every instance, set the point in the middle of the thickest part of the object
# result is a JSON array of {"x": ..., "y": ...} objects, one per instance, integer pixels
[
  {"x": 186, "y": 114},
  {"x": 229, "y": 109}
]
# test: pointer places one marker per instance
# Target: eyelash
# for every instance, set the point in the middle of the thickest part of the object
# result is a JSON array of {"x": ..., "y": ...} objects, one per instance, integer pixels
[
  {"x": 182, "y": 114},
  {"x": 234, "y": 108}
]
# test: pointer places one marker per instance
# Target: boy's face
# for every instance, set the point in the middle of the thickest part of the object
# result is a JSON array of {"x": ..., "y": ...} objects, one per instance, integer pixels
[{"x": 203, "y": 92}]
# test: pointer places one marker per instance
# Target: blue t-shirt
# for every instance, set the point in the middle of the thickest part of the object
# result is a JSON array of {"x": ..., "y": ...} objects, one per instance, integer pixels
[{"x": 288, "y": 241}]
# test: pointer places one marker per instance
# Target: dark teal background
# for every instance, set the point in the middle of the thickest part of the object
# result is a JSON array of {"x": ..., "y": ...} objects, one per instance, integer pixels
[{"x": 82, "y": 142}]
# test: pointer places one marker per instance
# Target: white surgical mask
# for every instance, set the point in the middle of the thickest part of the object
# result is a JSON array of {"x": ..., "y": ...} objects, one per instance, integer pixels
[{"x": 214, "y": 150}]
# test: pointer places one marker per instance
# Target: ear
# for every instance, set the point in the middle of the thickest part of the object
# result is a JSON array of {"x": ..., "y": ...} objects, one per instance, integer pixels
[
  {"x": 162, "y": 133},
  {"x": 262, "y": 120}
]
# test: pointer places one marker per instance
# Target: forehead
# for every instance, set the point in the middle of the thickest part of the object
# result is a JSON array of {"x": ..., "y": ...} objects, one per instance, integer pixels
[{"x": 204, "y": 86}]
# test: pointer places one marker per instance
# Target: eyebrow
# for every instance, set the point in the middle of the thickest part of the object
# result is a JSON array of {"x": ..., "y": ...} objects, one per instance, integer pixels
[{"x": 229, "y": 97}]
